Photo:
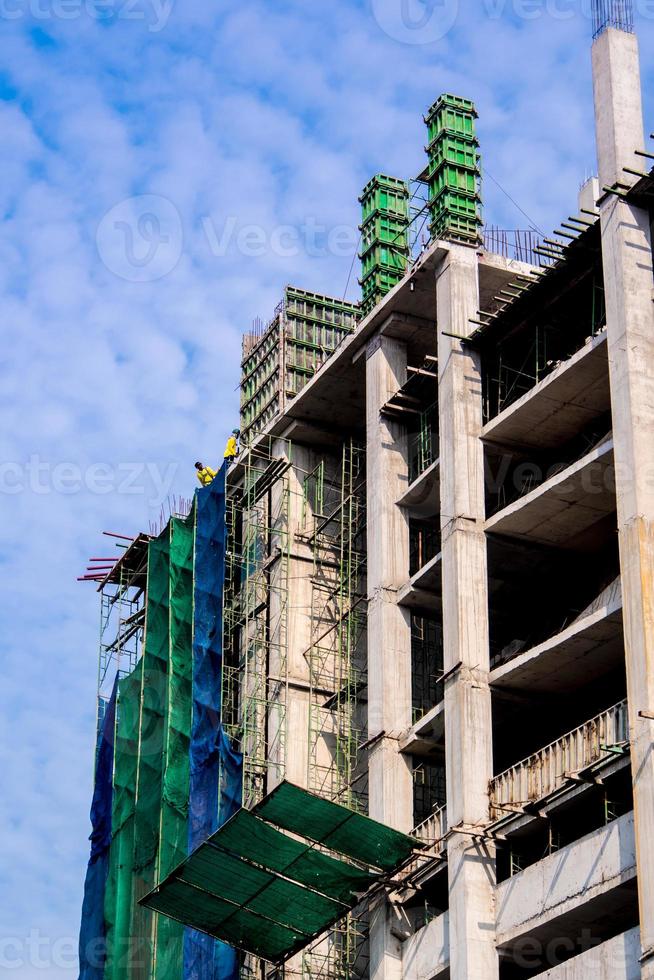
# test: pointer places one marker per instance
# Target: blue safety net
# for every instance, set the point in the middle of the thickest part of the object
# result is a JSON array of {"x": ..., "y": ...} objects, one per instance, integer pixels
[
  {"x": 216, "y": 769},
  {"x": 92, "y": 936}
]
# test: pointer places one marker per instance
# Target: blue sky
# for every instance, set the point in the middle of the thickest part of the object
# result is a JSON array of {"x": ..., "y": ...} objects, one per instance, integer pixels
[{"x": 166, "y": 166}]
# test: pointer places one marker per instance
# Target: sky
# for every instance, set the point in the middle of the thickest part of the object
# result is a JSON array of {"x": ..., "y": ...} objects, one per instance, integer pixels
[{"x": 166, "y": 167}]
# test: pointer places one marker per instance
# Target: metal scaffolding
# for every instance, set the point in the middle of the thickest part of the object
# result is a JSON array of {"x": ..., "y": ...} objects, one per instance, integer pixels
[
  {"x": 122, "y": 620},
  {"x": 270, "y": 532},
  {"x": 336, "y": 518},
  {"x": 255, "y": 675}
]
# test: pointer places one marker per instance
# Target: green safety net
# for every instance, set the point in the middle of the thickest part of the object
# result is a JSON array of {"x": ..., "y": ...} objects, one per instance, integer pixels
[
  {"x": 154, "y": 675},
  {"x": 118, "y": 894},
  {"x": 335, "y": 827},
  {"x": 176, "y": 767},
  {"x": 254, "y": 886}
]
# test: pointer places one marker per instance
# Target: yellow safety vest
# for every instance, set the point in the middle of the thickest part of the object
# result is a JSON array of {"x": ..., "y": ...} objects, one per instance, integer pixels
[{"x": 206, "y": 475}]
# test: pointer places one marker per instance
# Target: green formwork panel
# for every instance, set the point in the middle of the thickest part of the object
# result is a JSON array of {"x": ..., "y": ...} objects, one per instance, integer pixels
[
  {"x": 303, "y": 304},
  {"x": 452, "y": 178},
  {"x": 369, "y": 303},
  {"x": 464, "y": 204},
  {"x": 383, "y": 258},
  {"x": 380, "y": 278},
  {"x": 450, "y": 149},
  {"x": 385, "y": 194},
  {"x": 451, "y": 226},
  {"x": 453, "y": 116},
  {"x": 384, "y": 228}
]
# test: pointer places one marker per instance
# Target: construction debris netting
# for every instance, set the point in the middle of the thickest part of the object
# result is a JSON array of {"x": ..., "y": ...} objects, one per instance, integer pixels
[
  {"x": 92, "y": 933},
  {"x": 171, "y": 755},
  {"x": 269, "y": 893},
  {"x": 211, "y": 752}
]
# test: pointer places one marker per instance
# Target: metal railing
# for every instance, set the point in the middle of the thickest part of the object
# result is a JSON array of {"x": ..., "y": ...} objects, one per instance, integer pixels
[
  {"x": 433, "y": 828},
  {"x": 546, "y": 770}
]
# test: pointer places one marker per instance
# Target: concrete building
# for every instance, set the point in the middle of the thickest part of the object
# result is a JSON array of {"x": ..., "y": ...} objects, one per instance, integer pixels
[{"x": 439, "y": 604}]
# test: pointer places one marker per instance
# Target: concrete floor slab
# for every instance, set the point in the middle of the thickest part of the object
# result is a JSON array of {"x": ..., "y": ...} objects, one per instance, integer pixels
[
  {"x": 422, "y": 496},
  {"x": 566, "y": 505},
  {"x": 423, "y": 589},
  {"x": 588, "y": 648},
  {"x": 559, "y": 406},
  {"x": 566, "y": 880}
]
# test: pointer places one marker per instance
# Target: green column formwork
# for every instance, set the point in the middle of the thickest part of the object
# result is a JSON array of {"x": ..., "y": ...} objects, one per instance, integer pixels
[
  {"x": 147, "y": 816},
  {"x": 173, "y": 828},
  {"x": 118, "y": 894}
]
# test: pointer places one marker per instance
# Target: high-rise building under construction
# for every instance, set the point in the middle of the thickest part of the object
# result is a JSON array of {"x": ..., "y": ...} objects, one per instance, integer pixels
[{"x": 381, "y": 704}]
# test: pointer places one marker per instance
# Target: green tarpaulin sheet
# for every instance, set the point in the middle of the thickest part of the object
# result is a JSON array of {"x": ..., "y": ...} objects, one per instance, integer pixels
[
  {"x": 173, "y": 830},
  {"x": 154, "y": 674},
  {"x": 255, "y": 887},
  {"x": 118, "y": 894},
  {"x": 336, "y": 827}
]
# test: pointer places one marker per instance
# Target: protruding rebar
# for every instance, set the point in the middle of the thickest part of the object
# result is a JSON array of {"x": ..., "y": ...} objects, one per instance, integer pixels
[{"x": 613, "y": 13}]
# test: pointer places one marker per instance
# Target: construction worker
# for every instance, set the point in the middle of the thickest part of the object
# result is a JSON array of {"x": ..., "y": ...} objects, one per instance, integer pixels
[
  {"x": 231, "y": 449},
  {"x": 205, "y": 474}
]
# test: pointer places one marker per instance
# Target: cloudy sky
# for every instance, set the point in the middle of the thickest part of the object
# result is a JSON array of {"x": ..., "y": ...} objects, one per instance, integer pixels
[{"x": 166, "y": 166}]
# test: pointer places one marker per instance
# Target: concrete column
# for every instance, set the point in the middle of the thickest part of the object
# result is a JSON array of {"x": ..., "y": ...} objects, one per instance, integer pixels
[
  {"x": 628, "y": 281},
  {"x": 290, "y": 625},
  {"x": 389, "y": 626},
  {"x": 468, "y": 726}
]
